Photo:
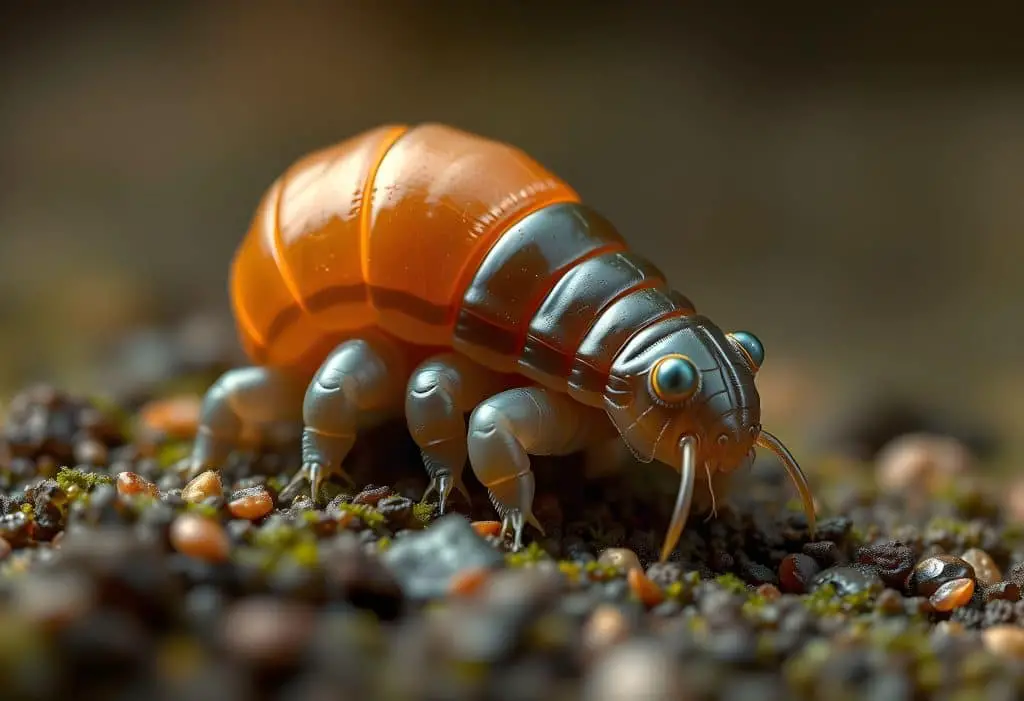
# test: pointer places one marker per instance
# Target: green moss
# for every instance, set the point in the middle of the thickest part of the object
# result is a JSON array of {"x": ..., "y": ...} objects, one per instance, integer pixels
[
  {"x": 276, "y": 537},
  {"x": 383, "y": 544},
  {"x": 26, "y": 509},
  {"x": 206, "y": 510},
  {"x": 825, "y": 601},
  {"x": 305, "y": 553},
  {"x": 367, "y": 514},
  {"x": 530, "y": 555},
  {"x": 602, "y": 571},
  {"x": 172, "y": 453},
  {"x": 69, "y": 477},
  {"x": 422, "y": 513},
  {"x": 732, "y": 583}
]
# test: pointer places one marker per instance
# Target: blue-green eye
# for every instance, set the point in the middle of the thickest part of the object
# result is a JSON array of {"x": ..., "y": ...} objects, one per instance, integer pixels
[
  {"x": 674, "y": 378},
  {"x": 750, "y": 345}
]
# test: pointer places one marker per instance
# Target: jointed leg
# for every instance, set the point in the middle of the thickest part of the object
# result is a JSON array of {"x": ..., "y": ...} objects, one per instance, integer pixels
[
  {"x": 509, "y": 427},
  {"x": 360, "y": 383},
  {"x": 242, "y": 405},
  {"x": 440, "y": 392}
]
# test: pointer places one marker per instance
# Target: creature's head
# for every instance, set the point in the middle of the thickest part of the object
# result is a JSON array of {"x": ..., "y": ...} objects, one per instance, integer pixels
[{"x": 682, "y": 392}]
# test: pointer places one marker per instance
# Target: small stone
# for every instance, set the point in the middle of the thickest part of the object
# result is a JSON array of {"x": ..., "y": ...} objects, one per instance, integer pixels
[
  {"x": 849, "y": 579},
  {"x": 796, "y": 573},
  {"x": 952, "y": 595},
  {"x": 1005, "y": 641},
  {"x": 251, "y": 504},
  {"x": 200, "y": 537},
  {"x": 622, "y": 558},
  {"x": 267, "y": 631},
  {"x": 425, "y": 562},
  {"x": 949, "y": 628},
  {"x": 91, "y": 452},
  {"x": 1003, "y": 591},
  {"x": 131, "y": 484},
  {"x": 606, "y": 626},
  {"x": 986, "y": 571},
  {"x": 892, "y": 561},
  {"x": 635, "y": 669},
  {"x": 932, "y": 572},
  {"x": 769, "y": 592},
  {"x": 203, "y": 487},
  {"x": 889, "y": 603}
]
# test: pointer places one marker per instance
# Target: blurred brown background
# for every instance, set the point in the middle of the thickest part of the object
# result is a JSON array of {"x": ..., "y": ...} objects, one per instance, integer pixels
[{"x": 846, "y": 186}]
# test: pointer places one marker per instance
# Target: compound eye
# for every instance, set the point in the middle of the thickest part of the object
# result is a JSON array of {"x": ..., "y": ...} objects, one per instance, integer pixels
[
  {"x": 674, "y": 379},
  {"x": 751, "y": 347}
]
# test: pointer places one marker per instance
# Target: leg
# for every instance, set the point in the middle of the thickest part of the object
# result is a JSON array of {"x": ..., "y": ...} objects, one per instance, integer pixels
[
  {"x": 359, "y": 384},
  {"x": 440, "y": 392},
  {"x": 508, "y": 427},
  {"x": 243, "y": 404}
]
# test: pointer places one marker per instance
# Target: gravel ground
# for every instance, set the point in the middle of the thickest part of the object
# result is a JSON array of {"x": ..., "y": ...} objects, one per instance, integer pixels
[{"x": 122, "y": 579}]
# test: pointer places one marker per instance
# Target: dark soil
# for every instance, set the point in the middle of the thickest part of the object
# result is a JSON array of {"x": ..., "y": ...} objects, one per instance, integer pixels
[{"x": 131, "y": 588}]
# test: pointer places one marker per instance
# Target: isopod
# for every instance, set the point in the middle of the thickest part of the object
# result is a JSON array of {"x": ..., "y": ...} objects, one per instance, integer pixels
[{"x": 427, "y": 271}]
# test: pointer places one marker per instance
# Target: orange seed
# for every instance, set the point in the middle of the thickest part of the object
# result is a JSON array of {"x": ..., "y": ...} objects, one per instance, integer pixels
[
  {"x": 468, "y": 582},
  {"x": 251, "y": 504},
  {"x": 487, "y": 528},
  {"x": 641, "y": 585},
  {"x": 175, "y": 417},
  {"x": 953, "y": 594},
  {"x": 130, "y": 484},
  {"x": 200, "y": 537},
  {"x": 203, "y": 486}
]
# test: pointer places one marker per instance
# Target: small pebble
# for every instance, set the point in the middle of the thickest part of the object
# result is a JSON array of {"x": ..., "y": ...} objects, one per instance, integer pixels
[
  {"x": 635, "y": 669},
  {"x": 203, "y": 486},
  {"x": 986, "y": 571},
  {"x": 200, "y": 537},
  {"x": 1005, "y": 641},
  {"x": 622, "y": 558},
  {"x": 952, "y": 595},
  {"x": 796, "y": 573},
  {"x": 267, "y": 631},
  {"x": 606, "y": 626},
  {"x": 889, "y": 602},
  {"x": 1003, "y": 591},
  {"x": 131, "y": 484},
  {"x": 251, "y": 504}
]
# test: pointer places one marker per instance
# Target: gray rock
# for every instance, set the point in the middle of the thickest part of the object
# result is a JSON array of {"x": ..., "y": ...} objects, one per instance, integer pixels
[{"x": 426, "y": 562}]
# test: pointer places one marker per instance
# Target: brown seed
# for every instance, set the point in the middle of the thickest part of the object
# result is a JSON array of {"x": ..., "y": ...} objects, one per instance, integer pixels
[
  {"x": 200, "y": 537},
  {"x": 131, "y": 484},
  {"x": 622, "y": 558},
  {"x": 487, "y": 528},
  {"x": 605, "y": 627},
  {"x": 174, "y": 417},
  {"x": 468, "y": 582},
  {"x": 253, "y": 503},
  {"x": 203, "y": 487},
  {"x": 1004, "y": 640},
  {"x": 986, "y": 571},
  {"x": 932, "y": 572},
  {"x": 952, "y": 595},
  {"x": 649, "y": 593}
]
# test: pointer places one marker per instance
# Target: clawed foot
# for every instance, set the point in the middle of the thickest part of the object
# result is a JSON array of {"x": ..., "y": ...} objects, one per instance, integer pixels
[
  {"x": 514, "y": 519},
  {"x": 442, "y": 482},
  {"x": 315, "y": 474}
]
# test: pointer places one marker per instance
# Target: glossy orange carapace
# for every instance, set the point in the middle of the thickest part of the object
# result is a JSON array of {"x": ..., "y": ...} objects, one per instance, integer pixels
[
  {"x": 432, "y": 272},
  {"x": 385, "y": 229}
]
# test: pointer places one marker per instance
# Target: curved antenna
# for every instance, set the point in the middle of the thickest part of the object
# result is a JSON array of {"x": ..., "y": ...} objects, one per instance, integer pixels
[
  {"x": 796, "y": 475},
  {"x": 687, "y": 479}
]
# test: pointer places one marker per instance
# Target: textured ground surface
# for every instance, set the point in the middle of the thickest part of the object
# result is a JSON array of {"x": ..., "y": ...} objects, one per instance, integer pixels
[{"x": 121, "y": 578}]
